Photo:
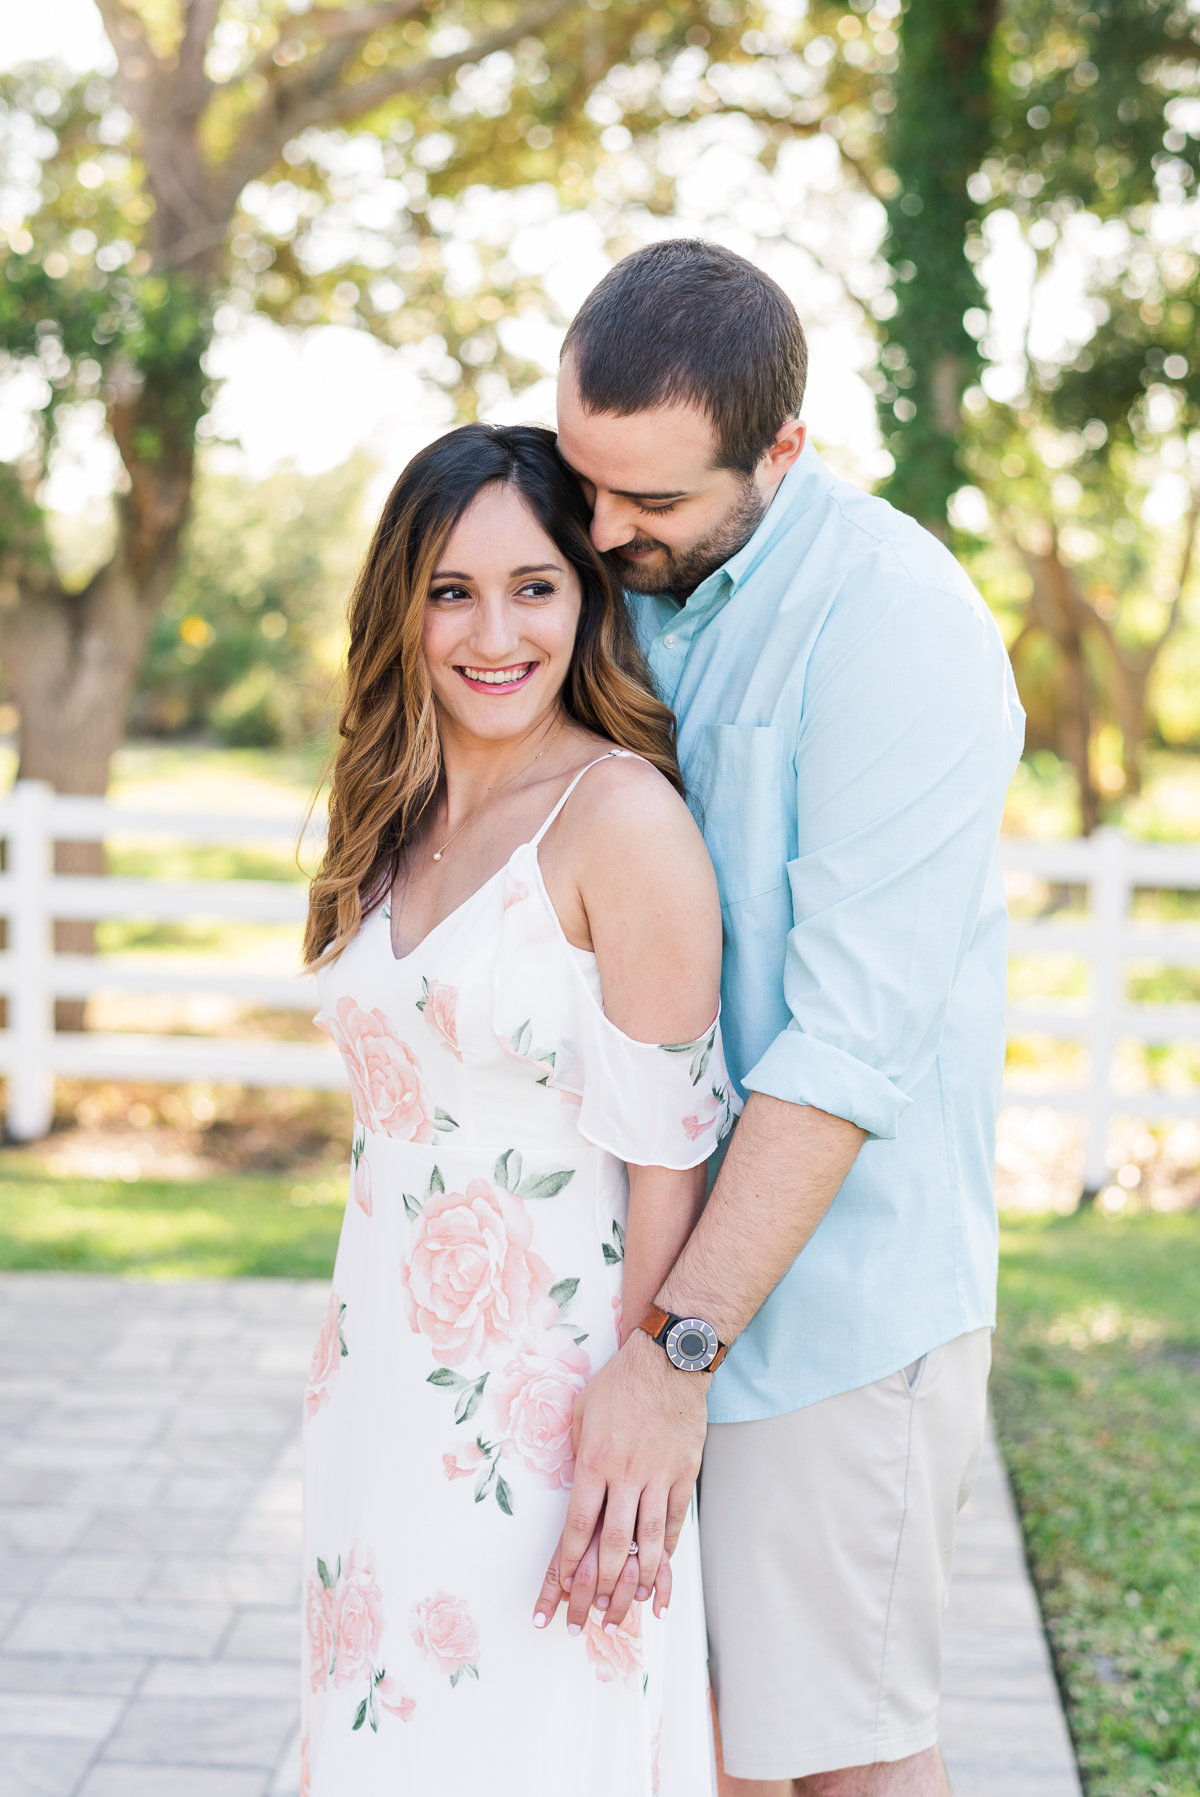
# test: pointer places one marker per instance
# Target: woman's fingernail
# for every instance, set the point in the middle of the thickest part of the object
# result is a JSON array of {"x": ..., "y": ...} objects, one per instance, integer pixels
[
  {"x": 539, "y": 1621},
  {"x": 642, "y": 1593},
  {"x": 610, "y": 1628},
  {"x": 602, "y": 1603},
  {"x": 573, "y": 1628}
]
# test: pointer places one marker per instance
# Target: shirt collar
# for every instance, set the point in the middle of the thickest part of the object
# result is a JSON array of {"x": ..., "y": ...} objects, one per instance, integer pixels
[{"x": 805, "y": 479}]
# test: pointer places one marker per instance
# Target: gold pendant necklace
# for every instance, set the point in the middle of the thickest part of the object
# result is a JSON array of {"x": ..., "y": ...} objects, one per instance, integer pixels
[{"x": 491, "y": 792}]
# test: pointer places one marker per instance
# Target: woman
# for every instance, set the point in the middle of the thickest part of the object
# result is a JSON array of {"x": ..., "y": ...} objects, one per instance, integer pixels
[{"x": 514, "y": 912}]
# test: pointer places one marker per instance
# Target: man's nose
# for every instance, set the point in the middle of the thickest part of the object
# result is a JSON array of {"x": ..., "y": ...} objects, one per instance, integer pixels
[{"x": 612, "y": 523}]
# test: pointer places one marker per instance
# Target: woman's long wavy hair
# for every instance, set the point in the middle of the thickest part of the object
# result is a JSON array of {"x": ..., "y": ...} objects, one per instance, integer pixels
[{"x": 388, "y": 764}]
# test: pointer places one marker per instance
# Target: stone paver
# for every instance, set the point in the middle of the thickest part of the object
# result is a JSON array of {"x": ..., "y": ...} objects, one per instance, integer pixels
[{"x": 149, "y": 1535}]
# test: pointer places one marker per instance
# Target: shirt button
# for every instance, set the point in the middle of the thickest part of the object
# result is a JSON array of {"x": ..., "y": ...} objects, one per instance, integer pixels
[{"x": 669, "y": 642}]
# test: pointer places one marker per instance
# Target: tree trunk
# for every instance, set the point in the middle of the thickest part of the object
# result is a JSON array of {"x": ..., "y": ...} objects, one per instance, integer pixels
[
  {"x": 72, "y": 662},
  {"x": 1060, "y": 610}
]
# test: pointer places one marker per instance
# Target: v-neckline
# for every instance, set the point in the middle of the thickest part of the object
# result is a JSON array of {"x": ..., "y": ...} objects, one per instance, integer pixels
[{"x": 450, "y": 915}]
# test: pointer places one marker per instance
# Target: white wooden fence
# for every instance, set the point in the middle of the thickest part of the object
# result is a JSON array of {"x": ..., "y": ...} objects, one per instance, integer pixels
[
  {"x": 1112, "y": 868},
  {"x": 32, "y": 975}
]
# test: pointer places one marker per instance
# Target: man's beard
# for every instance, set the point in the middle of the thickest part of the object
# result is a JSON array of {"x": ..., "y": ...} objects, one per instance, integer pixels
[{"x": 682, "y": 570}]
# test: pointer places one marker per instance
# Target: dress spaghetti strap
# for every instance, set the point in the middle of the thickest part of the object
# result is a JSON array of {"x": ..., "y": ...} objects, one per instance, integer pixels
[{"x": 575, "y": 783}]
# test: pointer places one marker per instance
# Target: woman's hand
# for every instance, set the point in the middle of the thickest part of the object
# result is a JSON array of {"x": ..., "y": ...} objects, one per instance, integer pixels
[{"x": 639, "y": 1437}]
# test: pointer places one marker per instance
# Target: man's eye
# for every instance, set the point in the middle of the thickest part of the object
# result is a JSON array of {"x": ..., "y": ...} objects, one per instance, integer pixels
[{"x": 657, "y": 511}]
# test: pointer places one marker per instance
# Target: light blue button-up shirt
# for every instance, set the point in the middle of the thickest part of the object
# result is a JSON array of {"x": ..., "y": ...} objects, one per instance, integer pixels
[{"x": 848, "y": 726}]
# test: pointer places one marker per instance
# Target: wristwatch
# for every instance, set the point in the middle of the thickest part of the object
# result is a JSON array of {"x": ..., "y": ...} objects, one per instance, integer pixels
[{"x": 691, "y": 1344}]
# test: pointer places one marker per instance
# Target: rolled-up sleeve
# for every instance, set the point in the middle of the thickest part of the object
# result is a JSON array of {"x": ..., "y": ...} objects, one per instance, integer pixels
[{"x": 909, "y": 735}]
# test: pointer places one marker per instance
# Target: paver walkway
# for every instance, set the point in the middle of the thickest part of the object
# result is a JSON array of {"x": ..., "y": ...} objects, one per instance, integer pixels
[{"x": 149, "y": 1537}]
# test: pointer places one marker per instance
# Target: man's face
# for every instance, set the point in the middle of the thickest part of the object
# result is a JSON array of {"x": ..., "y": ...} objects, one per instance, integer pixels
[{"x": 659, "y": 501}]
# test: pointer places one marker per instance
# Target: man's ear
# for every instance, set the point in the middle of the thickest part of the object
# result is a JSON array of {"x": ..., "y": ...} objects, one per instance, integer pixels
[{"x": 789, "y": 441}]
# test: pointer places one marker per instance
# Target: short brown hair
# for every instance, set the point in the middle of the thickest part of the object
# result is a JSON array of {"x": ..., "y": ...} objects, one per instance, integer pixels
[{"x": 691, "y": 322}]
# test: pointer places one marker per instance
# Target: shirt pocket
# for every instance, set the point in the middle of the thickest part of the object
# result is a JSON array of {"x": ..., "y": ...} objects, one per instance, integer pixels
[{"x": 741, "y": 798}]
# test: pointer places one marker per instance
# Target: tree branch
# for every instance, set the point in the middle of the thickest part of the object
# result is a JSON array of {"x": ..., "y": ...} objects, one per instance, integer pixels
[
  {"x": 317, "y": 99},
  {"x": 192, "y": 84},
  {"x": 134, "y": 52}
]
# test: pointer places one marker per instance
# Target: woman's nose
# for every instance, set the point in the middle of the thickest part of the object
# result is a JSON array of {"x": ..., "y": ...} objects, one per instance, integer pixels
[{"x": 497, "y": 630}]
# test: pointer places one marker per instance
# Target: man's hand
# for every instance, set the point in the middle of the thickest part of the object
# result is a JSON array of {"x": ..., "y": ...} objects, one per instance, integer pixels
[{"x": 639, "y": 1437}]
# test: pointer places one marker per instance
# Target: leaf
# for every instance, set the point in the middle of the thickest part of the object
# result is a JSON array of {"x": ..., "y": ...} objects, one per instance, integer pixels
[
  {"x": 645, "y": 1683},
  {"x": 564, "y": 1295},
  {"x": 468, "y": 1401},
  {"x": 522, "y": 1037},
  {"x": 436, "y": 1182},
  {"x": 700, "y": 1064},
  {"x": 454, "y": 1678},
  {"x": 504, "y": 1496},
  {"x": 323, "y": 1575},
  {"x": 483, "y": 1481},
  {"x": 421, "y": 1003},
  {"x": 373, "y": 1710},
  {"x": 411, "y": 1207},
  {"x": 546, "y": 1185},
  {"x": 360, "y": 1715},
  {"x": 618, "y": 1236},
  {"x": 443, "y": 1375},
  {"x": 580, "y": 1339},
  {"x": 473, "y": 1670},
  {"x": 341, "y": 1337},
  {"x": 611, "y": 1257},
  {"x": 444, "y": 1120},
  {"x": 508, "y": 1169}
]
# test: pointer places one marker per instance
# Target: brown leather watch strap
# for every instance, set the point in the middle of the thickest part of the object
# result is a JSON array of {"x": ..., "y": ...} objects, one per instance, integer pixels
[
  {"x": 655, "y": 1321},
  {"x": 719, "y": 1357}
]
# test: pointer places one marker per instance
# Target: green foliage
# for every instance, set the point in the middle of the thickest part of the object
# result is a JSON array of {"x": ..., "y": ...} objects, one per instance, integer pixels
[
  {"x": 940, "y": 130},
  {"x": 249, "y": 640},
  {"x": 1096, "y": 1385}
]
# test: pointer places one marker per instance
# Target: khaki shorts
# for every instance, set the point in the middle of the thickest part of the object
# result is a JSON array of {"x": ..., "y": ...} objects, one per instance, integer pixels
[{"x": 827, "y": 1537}]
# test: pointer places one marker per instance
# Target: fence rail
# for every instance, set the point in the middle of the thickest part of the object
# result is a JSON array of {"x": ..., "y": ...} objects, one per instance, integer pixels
[
  {"x": 32, "y": 975},
  {"x": 32, "y": 896},
  {"x": 1113, "y": 868}
]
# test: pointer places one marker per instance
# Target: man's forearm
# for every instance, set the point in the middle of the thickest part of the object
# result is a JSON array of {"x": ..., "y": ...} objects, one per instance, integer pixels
[{"x": 784, "y": 1169}]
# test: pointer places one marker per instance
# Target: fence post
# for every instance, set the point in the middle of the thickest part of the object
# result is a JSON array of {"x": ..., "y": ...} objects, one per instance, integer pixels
[
  {"x": 31, "y": 1023},
  {"x": 1108, "y": 904}
]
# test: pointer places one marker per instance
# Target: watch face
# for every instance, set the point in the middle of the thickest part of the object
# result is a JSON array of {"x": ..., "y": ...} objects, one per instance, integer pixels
[{"x": 692, "y": 1345}]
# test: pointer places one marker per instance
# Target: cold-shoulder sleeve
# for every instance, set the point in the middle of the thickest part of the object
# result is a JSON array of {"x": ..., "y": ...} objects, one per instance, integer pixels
[{"x": 653, "y": 1104}]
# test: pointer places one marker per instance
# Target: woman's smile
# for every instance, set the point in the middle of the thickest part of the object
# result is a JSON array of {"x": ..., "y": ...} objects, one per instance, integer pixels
[{"x": 493, "y": 680}]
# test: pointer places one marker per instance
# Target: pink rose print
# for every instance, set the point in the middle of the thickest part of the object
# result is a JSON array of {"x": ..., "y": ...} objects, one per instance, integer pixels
[
  {"x": 471, "y": 1284},
  {"x": 318, "y": 1618},
  {"x": 534, "y": 1398},
  {"x": 464, "y": 1461},
  {"x": 618, "y": 1305},
  {"x": 326, "y": 1359},
  {"x": 305, "y": 1768},
  {"x": 362, "y": 1185},
  {"x": 437, "y": 1007},
  {"x": 444, "y": 1629},
  {"x": 703, "y": 1119},
  {"x": 385, "y": 1075},
  {"x": 394, "y": 1697},
  {"x": 616, "y": 1656},
  {"x": 359, "y": 1618},
  {"x": 514, "y": 891}
]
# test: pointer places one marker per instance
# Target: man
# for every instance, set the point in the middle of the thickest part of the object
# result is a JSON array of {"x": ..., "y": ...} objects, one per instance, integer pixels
[{"x": 848, "y": 726}]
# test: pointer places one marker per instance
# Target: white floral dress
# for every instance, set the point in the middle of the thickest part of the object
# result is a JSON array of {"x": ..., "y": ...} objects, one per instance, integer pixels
[{"x": 477, "y": 1288}]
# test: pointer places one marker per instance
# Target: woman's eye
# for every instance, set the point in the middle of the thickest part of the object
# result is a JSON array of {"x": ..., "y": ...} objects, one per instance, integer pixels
[
  {"x": 537, "y": 589},
  {"x": 442, "y": 593}
]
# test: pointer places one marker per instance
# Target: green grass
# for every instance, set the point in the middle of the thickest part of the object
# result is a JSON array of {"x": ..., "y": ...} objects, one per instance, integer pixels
[
  {"x": 1097, "y": 1395},
  {"x": 164, "y": 1229}
]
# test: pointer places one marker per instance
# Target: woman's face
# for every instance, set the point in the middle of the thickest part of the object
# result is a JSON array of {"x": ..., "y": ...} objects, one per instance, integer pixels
[{"x": 500, "y": 619}]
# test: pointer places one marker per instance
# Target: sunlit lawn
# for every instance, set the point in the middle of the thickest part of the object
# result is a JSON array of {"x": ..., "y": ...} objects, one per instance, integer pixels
[
  {"x": 164, "y": 1229},
  {"x": 1097, "y": 1395}
]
